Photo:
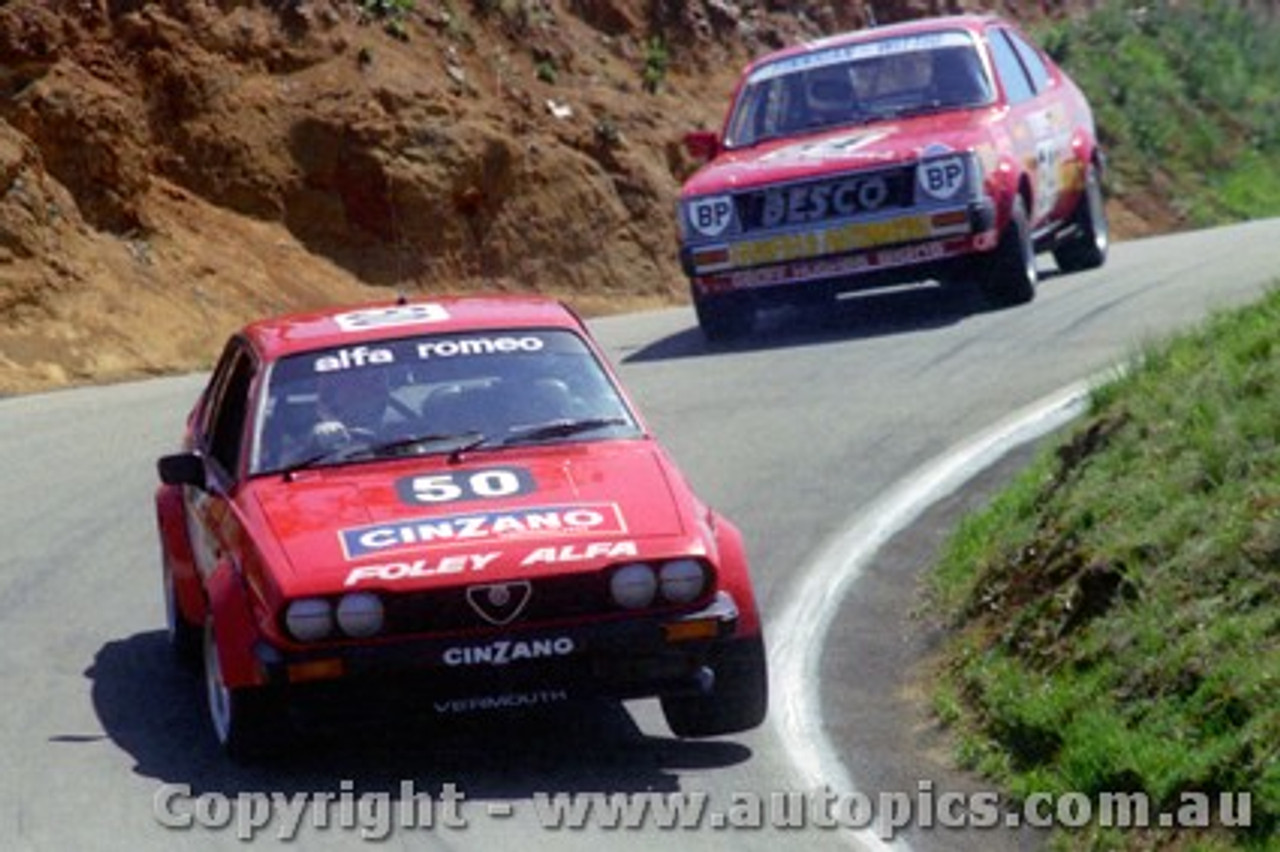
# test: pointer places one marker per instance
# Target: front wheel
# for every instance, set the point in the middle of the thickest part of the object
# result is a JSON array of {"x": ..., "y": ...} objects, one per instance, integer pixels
[
  {"x": 184, "y": 637},
  {"x": 725, "y": 317},
  {"x": 1009, "y": 277},
  {"x": 1091, "y": 235},
  {"x": 738, "y": 700},
  {"x": 247, "y": 721}
]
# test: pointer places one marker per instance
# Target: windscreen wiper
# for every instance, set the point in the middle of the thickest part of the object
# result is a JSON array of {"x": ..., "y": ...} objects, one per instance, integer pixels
[
  {"x": 456, "y": 442},
  {"x": 560, "y": 429},
  {"x": 461, "y": 443}
]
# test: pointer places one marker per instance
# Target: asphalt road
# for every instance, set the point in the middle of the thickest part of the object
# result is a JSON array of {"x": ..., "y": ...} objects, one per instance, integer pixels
[{"x": 797, "y": 435}]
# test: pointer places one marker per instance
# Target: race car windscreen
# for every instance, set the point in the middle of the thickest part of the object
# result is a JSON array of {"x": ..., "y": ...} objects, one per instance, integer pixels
[
  {"x": 859, "y": 84},
  {"x": 438, "y": 392}
]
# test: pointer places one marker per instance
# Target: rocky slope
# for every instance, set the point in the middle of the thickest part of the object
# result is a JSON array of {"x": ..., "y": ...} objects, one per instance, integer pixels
[{"x": 169, "y": 169}]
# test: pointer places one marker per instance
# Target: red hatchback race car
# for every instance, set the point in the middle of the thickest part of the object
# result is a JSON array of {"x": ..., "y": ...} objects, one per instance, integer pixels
[
  {"x": 946, "y": 148},
  {"x": 443, "y": 507}
]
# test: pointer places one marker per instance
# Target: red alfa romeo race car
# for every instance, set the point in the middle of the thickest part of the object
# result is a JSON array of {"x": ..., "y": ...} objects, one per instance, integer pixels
[
  {"x": 446, "y": 507},
  {"x": 947, "y": 148}
]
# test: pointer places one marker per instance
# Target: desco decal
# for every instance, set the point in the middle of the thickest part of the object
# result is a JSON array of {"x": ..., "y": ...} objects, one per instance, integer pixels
[
  {"x": 594, "y": 518},
  {"x": 392, "y": 571},
  {"x": 502, "y": 652}
]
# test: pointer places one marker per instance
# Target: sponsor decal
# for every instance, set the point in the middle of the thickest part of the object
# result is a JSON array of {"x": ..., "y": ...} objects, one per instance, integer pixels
[
  {"x": 826, "y": 149},
  {"x": 393, "y": 536},
  {"x": 391, "y": 572},
  {"x": 941, "y": 178},
  {"x": 711, "y": 215},
  {"x": 478, "y": 346},
  {"x": 500, "y": 603},
  {"x": 580, "y": 553},
  {"x": 849, "y": 265},
  {"x": 484, "y": 484},
  {"x": 505, "y": 701},
  {"x": 824, "y": 56},
  {"x": 838, "y": 240},
  {"x": 390, "y": 317},
  {"x": 795, "y": 205},
  {"x": 503, "y": 652},
  {"x": 356, "y": 356}
]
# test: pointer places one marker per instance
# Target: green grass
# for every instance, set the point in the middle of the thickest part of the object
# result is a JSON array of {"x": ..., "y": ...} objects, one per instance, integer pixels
[
  {"x": 1186, "y": 97},
  {"x": 1117, "y": 609}
]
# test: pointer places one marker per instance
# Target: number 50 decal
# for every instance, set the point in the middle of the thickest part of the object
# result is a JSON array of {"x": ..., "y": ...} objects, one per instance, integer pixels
[{"x": 484, "y": 484}]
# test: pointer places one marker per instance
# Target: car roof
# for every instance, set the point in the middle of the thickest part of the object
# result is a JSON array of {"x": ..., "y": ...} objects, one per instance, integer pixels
[
  {"x": 349, "y": 325},
  {"x": 974, "y": 23}
]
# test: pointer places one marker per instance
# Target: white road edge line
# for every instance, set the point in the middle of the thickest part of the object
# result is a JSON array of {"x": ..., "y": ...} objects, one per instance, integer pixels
[{"x": 797, "y": 634}]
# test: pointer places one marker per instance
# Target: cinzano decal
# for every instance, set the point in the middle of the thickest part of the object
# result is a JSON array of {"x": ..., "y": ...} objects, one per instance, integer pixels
[
  {"x": 503, "y": 652},
  {"x": 592, "y": 518}
]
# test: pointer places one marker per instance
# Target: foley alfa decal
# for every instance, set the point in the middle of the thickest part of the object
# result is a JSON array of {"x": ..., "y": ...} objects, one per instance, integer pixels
[{"x": 592, "y": 518}]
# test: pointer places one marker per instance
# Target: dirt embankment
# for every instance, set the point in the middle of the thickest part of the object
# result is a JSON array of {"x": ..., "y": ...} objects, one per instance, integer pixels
[{"x": 170, "y": 169}]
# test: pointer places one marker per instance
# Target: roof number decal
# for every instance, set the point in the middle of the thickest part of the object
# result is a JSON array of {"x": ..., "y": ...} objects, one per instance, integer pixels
[{"x": 396, "y": 315}]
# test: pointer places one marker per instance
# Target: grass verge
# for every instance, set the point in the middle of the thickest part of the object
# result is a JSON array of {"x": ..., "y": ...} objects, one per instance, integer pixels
[{"x": 1116, "y": 611}]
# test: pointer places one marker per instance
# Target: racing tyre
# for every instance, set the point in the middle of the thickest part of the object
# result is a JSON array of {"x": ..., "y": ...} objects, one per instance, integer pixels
[
  {"x": 1091, "y": 236},
  {"x": 1010, "y": 275},
  {"x": 724, "y": 318},
  {"x": 184, "y": 637},
  {"x": 248, "y": 722},
  {"x": 738, "y": 701}
]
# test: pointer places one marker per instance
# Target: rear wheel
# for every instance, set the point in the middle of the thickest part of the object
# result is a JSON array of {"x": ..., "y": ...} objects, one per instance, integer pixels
[
  {"x": 725, "y": 317},
  {"x": 1009, "y": 277},
  {"x": 248, "y": 722},
  {"x": 738, "y": 701},
  {"x": 1087, "y": 247}
]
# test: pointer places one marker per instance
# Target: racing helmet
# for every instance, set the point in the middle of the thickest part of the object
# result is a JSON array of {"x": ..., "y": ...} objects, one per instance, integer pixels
[{"x": 830, "y": 94}]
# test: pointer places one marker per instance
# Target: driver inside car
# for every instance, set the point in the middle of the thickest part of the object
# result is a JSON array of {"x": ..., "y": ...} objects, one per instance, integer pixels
[{"x": 351, "y": 405}]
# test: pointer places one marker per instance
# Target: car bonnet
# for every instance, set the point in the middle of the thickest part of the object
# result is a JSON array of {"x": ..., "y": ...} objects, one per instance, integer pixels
[
  {"x": 412, "y": 525},
  {"x": 842, "y": 149}
]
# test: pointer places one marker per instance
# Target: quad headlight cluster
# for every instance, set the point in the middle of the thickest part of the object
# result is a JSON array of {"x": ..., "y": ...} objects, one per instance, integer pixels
[
  {"x": 637, "y": 585},
  {"x": 357, "y": 615}
]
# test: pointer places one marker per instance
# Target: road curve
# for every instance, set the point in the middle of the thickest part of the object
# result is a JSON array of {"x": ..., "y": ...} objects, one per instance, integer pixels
[{"x": 797, "y": 435}]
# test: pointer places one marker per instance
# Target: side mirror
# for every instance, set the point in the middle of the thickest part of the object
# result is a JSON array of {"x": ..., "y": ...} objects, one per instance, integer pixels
[
  {"x": 182, "y": 469},
  {"x": 702, "y": 144}
]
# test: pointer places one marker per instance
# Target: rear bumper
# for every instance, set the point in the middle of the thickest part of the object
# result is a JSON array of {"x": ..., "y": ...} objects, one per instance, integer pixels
[{"x": 515, "y": 669}]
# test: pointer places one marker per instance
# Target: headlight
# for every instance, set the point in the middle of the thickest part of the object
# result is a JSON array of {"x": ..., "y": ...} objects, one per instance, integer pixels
[
  {"x": 681, "y": 580},
  {"x": 309, "y": 619},
  {"x": 633, "y": 586},
  {"x": 360, "y": 614}
]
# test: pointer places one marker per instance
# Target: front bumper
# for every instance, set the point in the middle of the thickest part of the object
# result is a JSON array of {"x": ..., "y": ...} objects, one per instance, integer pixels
[
  {"x": 885, "y": 250},
  {"x": 638, "y": 657}
]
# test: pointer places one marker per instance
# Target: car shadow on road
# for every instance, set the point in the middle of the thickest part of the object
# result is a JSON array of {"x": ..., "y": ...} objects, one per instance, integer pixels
[
  {"x": 153, "y": 709},
  {"x": 876, "y": 313}
]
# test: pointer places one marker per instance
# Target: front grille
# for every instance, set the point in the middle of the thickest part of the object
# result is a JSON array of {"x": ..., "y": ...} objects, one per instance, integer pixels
[
  {"x": 550, "y": 599},
  {"x": 840, "y": 197}
]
